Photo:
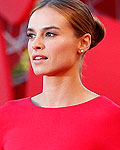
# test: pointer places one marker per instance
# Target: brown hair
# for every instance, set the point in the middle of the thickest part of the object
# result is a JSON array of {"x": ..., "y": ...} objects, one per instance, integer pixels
[{"x": 79, "y": 16}]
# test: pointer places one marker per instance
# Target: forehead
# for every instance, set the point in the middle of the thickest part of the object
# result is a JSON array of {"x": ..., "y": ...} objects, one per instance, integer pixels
[{"x": 47, "y": 16}]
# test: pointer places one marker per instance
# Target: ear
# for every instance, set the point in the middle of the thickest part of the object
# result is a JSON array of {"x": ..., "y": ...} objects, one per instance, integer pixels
[{"x": 84, "y": 43}]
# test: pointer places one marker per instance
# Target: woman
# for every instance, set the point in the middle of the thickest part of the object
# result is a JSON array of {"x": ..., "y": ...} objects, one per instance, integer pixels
[{"x": 66, "y": 115}]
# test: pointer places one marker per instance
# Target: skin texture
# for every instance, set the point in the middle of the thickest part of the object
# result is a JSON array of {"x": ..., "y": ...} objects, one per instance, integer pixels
[
  {"x": 56, "y": 41},
  {"x": 61, "y": 48}
]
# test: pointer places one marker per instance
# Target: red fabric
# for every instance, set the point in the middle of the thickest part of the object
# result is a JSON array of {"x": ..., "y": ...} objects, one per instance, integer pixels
[
  {"x": 101, "y": 68},
  {"x": 94, "y": 125},
  {"x": 6, "y": 91},
  {"x": 14, "y": 11}
]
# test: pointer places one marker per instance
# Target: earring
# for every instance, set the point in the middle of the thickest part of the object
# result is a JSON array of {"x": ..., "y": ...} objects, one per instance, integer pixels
[{"x": 82, "y": 51}]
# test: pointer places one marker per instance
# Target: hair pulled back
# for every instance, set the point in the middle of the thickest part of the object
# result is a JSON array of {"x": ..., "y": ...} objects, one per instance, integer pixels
[{"x": 79, "y": 16}]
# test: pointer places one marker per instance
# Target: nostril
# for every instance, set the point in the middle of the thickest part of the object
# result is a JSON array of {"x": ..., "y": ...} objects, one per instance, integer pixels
[{"x": 36, "y": 47}]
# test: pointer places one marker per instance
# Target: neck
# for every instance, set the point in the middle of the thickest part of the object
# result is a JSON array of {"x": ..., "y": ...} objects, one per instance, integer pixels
[{"x": 61, "y": 90}]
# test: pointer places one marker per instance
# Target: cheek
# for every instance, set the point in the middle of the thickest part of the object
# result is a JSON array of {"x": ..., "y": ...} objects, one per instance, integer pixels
[
  {"x": 63, "y": 53},
  {"x": 60, "y": 46}
]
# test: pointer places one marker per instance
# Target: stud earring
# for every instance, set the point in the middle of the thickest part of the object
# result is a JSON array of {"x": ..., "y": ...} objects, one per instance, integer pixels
[{"x": 82, "y": 51}]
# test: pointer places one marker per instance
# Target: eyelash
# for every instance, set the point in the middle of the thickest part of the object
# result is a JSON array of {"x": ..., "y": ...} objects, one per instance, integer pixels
[
  {"x": 47, "y": 34},
  {"x": 30, "y": 35},
  {"x": 50, "y": 34}
]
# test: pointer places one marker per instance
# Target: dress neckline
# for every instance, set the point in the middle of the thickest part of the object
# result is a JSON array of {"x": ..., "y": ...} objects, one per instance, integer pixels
[{"x": 65, "y": 107}]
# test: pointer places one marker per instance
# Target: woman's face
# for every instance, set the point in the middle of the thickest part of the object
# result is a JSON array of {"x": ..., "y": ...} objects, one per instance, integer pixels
[{"x": 52, "y": 45}]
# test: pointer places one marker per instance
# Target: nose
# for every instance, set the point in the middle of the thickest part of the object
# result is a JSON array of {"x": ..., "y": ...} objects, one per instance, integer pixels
[
  {"x": 38, "y": 44},
  {"x": 37, "y": 47}
]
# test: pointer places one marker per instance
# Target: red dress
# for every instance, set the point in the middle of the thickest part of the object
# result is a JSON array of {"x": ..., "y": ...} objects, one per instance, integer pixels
[{"x": 93, "y": 125}]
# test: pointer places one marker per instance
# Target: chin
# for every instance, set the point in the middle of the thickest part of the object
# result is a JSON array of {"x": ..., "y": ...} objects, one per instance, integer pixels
[
  {"x": 39, "y": 72},
  {"x": 50, "y": 72}
]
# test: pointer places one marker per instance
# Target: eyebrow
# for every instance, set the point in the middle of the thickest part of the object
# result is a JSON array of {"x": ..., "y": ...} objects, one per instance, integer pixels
[{"x": 44, "y": 28}]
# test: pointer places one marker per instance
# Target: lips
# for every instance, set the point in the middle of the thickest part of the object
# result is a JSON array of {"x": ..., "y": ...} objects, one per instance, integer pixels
[{"x": 39, "y": 57}]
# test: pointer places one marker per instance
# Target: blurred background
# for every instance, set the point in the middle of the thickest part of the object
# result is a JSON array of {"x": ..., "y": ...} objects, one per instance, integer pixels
[{"x": 101, "y": 68}]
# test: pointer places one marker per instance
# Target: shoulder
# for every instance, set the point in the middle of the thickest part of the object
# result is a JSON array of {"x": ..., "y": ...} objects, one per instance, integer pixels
[
  {"x": 10, "y": 114},
  {"x": 104, "y": 109},
  {"x": 13, "y": 105},
  {"x": 106, "y": 104},
  {"x": 13, "y": 110},
  {"x": 107, "y": 113},
  {"x": 109, "y": 122}
]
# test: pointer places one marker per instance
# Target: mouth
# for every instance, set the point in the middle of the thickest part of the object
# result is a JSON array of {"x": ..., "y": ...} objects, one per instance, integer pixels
[{"x": 39, "y": 58}]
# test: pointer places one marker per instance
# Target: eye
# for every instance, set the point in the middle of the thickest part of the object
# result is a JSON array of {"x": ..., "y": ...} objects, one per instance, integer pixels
[
  {"x": 50, "y": 34},
  {"x": 31, "y": 35}
]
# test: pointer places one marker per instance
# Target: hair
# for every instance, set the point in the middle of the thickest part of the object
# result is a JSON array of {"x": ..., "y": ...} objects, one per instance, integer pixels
[{"x": 80, "y": 18}]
